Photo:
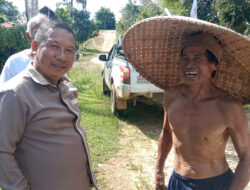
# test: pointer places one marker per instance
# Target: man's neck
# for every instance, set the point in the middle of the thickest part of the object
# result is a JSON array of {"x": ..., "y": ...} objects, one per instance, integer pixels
[{"x": 200, "y": 92}]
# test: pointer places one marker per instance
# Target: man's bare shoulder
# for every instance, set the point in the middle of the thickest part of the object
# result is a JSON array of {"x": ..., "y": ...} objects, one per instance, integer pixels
[
  {"x": 228, "y": 102},
  {"x": 232, "y": 108}
]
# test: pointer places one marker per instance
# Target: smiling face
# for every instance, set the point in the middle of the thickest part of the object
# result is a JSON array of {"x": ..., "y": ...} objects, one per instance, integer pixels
[
  {"x": 195, "y": 66},
  {"x": 54, "y": 57}
]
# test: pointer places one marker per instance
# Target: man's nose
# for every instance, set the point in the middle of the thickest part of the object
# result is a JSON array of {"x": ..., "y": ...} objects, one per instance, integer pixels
[
  {"x": 189, "y": 66},
  {"x": 190, "y": 63},
  {"x": 61, "y": 54}
]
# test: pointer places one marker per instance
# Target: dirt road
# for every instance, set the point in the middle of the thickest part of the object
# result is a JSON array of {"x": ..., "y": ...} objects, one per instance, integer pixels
[
  {"x": 104, "y": 43},
  {"x": 132, "y": 168}
]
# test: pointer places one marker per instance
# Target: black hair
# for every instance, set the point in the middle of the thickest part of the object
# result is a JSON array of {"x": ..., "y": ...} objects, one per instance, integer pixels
[
  {"x": 41, "y": 35},
  {"x": 213, "y": 59}
]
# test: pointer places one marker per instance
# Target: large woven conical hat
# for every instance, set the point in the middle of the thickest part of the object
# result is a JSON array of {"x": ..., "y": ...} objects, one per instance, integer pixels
[{"x": 153, "y": 47}]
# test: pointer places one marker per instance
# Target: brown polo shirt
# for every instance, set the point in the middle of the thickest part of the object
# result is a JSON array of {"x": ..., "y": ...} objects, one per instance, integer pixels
[{"x": 42, "y": 145}]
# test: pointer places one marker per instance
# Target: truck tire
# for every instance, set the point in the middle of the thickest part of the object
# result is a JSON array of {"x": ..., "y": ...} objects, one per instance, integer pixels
[
  {"x": 105, "y": 89},
  {"x": 117, "y": 106},
  {"x": 113, "y": 100}
]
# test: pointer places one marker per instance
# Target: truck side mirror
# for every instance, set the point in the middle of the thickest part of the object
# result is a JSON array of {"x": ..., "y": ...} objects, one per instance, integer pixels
[
  {"x": 102, "y": 58},
  {"x": 121, "y": 52}
]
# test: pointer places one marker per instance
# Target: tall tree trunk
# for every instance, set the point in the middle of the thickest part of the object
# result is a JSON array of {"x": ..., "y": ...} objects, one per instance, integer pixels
[
  {"x": 84, "y": 2},
  {"x": 27, "y": 10}
]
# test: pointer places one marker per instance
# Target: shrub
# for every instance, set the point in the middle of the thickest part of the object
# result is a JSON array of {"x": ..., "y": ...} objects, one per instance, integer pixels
[{"x": 12, "y": 41}]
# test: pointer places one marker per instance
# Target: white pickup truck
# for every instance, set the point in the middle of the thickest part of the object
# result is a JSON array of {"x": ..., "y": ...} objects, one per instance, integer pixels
[{"x": 123, "y": 83}]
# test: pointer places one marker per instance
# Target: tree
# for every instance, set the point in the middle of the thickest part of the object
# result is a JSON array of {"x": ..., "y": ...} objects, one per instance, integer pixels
[
  {"x": 206, "y": 9},
  {"x": 105, "y": 19},
  {"x": 84, "y": 27},
  {"x": 230, "y": 13},
  {"x": 64, "y": 14},
  {"x": 12, "y": 40},
  {"x": 148, "y": 9},
  {"x": 129, "y": 16},
  {"x": 79, "y": 20},
  {"x": 235, "y": 14},
  {"x": 173, "y": 6},
  {"x": 8, "y": 12}
]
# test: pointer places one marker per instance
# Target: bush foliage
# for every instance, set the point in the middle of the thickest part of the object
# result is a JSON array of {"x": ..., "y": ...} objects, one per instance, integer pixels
[{"x": 12, "y": 40}]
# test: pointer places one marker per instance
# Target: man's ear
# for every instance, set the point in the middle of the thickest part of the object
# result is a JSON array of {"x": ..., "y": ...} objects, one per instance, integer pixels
[
  {"x": 28, "y": 36},
  {"x": 34, "y": 46},
  {"x": 214, "y": 66},
  {"x": 213, "y": 69}
]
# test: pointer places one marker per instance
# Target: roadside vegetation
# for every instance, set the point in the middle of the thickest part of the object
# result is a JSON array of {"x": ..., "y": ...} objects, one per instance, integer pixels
[
  {"x": 97, "y": 120},
  {"x": 12, "y": 41},
  {"x": 247, "y": 107},
  {"x": 229, "y": 13}
]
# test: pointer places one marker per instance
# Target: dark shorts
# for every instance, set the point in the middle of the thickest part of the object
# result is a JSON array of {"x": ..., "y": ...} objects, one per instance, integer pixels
[{"x": 220, "y": 182}]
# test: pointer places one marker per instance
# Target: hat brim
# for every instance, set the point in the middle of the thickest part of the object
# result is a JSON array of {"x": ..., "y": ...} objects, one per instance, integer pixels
[{"x": 153, "y": 47}]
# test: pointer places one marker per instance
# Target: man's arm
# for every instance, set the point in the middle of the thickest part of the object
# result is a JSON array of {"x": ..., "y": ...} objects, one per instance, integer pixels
[
  {"x": 12, "y": 124},
  {"x": 6, "y": 72},
  {"x": 164, "y": 147},
  {"x": 238, "y": 131}
]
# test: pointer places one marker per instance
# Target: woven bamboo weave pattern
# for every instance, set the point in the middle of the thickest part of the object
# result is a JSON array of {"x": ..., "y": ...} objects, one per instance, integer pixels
[{"x": 153, "y": 47}]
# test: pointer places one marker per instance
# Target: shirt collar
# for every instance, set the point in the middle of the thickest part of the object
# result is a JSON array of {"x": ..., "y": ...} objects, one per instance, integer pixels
[{"x": 36, "y": 76}]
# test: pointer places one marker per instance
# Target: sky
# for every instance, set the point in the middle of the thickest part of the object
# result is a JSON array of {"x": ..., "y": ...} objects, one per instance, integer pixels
[{"x": 92, "y": 5}]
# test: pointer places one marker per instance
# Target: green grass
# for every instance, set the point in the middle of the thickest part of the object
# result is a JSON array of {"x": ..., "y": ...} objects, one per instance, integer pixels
[
  {"x": 87, "y": 50},
  {"x": 247, "y": 107},
  {"x": 100, "y": 125}
]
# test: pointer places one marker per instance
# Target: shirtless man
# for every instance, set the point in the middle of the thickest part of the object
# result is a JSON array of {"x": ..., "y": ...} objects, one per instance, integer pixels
[{"x": 198, "y": 120}]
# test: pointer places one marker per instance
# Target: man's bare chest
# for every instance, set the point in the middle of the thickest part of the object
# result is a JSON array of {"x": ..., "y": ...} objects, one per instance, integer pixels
[{"x": 201, "y": 120}]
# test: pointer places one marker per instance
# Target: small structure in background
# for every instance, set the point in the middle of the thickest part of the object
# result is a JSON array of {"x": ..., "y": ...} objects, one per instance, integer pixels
[
  {"x": 6, "y": 25},
  {"x": 48, "y": 12}
]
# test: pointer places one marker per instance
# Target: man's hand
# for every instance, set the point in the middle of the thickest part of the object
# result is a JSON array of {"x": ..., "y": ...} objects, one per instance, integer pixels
[{"x": 159, "y": 181}]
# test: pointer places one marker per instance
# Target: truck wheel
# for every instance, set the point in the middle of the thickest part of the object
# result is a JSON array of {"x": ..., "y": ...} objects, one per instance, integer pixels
[
  {"x": 105, "y": 89},
  {"x": 117, "y": 106},
  {"x": 113, "y": 100}
]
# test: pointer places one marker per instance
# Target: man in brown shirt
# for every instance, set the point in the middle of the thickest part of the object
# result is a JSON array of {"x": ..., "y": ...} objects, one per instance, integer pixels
[{"x": 42, "y": 145}]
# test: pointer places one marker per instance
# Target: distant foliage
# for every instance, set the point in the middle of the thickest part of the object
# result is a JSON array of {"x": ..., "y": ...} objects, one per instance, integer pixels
[
  {"x": 230, "y": 13},
  {"x": 235, "y": 15},
  {"x": 206, "y": 9},
  {"x": 84, "y": 27},
  {"x": 105, "y": 19},
  {"x": 8, "y": 12},
  {"x": 12, "y": 41},
  {"x": 130, "y": 13},
  {"x": 64, "y": 15},
  {"x": 79, "y": 20},
  {"x": 148, "y": 9}
]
